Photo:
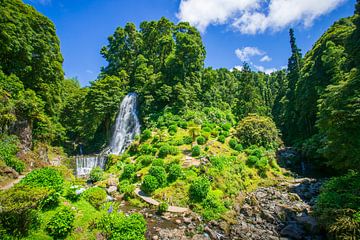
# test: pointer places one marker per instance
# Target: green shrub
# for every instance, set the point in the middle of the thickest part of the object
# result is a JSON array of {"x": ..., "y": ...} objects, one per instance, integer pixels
[
  {"x": 149, "y": 184},
  {"x": 252, "y": 160},
  {"x": 71, "y": 193},
  {"x": 206, "y": 129},
  {"x": 61, "y": 224},
  {"x": 95, "y": 196},
  {"x": 225, "y": 133},
  {"x": 213, "y": 207},
  {"x": 337, "y": 206},
  {"x": 221, "y": 138},
  {"x": 174, "y": 172},
  {"x": 206, "y": 148},
  {"x": 163, "y": 207},
  {"x": 8, "y": 151},
  {"x": 239, "y": 147},
  {"x": 167, "y": 150},
  {"x": 146, "y": 134},
  {"x": 218, "y": 162},
  {"x": 129, "y": 172},
  {"x": 48, "y": 178},
  {"x": 126, "y": 188},
  {"x": 259, "y": 131},
  {"x": 226, "y": 126},
  {"x": 232, "y": 143},
  {"x": 195, "y": 151},
  {"x": 199, "y": 189},
  {"x": 172, "y": 129},
  {"x": 159, "y": 173},
  {"x": 183, "y": 124},
  {"x": 201, "y": 140},
  {"x": 187, "y": 140},
  {"x": 145, "y": 160},
  {"x": 146, "y": 149},
  {"x": 19, "y": 212},
  {"x": 158, "y": 162},
  {"x": 96, "y": 174},
  {"x": 116, "y": 225}
]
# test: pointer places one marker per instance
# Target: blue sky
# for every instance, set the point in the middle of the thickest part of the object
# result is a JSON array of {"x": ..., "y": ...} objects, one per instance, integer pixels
[{"x": 232, "y": 30}]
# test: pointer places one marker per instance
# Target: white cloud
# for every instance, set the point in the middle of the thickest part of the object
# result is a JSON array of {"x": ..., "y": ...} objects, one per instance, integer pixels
[
  {"x": 89, "y": 71},
  {"x": 246, "y": 53},
  {"x": 238, "y": 67},
  {"x": 265, "y": 70},
  {"x": 266, "y": 58},
  {"x": 254, "y": 16},
  {"x": 202, "y": 13}
]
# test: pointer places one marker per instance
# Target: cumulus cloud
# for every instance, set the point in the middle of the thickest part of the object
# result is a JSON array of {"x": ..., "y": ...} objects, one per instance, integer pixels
[
  {"x": 265, "y": 70},
  {"x": 202, "y": 13},
  {"x": 254, "y": 16},
  {"x": 246, "y": 53},
  {"x": 266, "y": 58}
]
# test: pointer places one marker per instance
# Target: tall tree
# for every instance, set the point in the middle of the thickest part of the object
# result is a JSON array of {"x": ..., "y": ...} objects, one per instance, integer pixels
[{"x": 294, "y": 66}]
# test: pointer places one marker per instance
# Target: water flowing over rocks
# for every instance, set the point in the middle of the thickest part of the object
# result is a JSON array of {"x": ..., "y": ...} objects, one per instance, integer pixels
[{"x": 127, "y": 125}]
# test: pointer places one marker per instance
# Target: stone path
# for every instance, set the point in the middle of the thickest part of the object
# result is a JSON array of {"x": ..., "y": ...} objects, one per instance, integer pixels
[
  {"x": 12, "y": 183},
  {"x": 152, "y": 201}
]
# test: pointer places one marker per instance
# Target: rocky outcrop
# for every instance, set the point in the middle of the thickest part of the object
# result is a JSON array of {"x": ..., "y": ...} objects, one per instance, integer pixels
[{"x": 284, "y": 211}]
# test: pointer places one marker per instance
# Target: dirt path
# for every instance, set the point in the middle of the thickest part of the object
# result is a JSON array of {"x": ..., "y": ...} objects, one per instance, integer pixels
[
  {"x": 152, "y": 201},
  {"x": 12, "y": 183}
]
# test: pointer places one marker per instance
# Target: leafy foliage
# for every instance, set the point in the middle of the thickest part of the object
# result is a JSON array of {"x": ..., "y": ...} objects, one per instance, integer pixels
[
  {"x": 260, "y": 131},
  {"x": 96, "y": 174},
  {"x": 61, "y": 224},
  {"x": 116, "y": 225},
  {"x": 149, "y": 184},
  {"x": 95, "y": 196},
  {"x": 19, "y": 209},
  {"x": 199, "y": 189},
  {"x": 337, "y": 206}
]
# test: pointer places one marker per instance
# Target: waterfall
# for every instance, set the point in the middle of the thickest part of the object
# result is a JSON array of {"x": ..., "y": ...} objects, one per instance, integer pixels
[
  {"x": 127, "y": 125},
  {"x": 84, "y": 164}
]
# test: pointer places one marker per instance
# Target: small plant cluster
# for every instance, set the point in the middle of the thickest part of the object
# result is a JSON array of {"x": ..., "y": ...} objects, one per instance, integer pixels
[
  {"x": 114, "y": 225},
  {"x": 61, "y": 224},
  {"x": 8, "y": 151},
  {"x": 160, "y": 175}
]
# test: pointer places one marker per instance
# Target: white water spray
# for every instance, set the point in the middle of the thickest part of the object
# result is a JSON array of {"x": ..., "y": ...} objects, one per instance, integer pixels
[{"x": 127, "y": 125}]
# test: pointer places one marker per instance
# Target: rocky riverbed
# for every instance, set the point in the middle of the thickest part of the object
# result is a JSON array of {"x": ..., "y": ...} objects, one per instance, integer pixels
[{"x": 283, "y": 211}]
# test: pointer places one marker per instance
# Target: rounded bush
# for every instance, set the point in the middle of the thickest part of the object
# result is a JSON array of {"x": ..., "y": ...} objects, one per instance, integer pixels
[
  {"x": 239, "y": 147},
  {"x": 159, "y": 173},
  {"x": 226, "y": 126},
  {"x": 145, "y": 160},
  {"x": 232, "y": 143},
  {"x": 95, "y": 196},
  {"x": 221, "y": 138},
  {"x": 174, "y": 172},
  {"x": 195, "y": 151},
  {"x": 183, "y": 124},
  {"x": 126, "y": 188},
  {"x": 129, "y": 172},
  {"x": 48, "y": 178},
  {"x": 158, "y": 162},
  {"x": 172, "y": 129},
  {"x": 149, "y": 184},
  {"x": 96, "y": 174},
  {"x": 199, "y": 189},
  {"x": 163, "y": 207},
  {"x": 252, "y": 160},
  {"x": 167, "y": 150},
  {"x": 117, "y": 225},
  {"x": 259, "y": 131},
  {"x": 206, "y": 129},
  {"x": 201, "y": 140},
  {"x": 61, "y": 224}
]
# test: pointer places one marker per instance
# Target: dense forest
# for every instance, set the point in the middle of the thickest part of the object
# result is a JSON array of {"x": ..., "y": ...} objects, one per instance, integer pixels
[{"x": 237, "y": 119}]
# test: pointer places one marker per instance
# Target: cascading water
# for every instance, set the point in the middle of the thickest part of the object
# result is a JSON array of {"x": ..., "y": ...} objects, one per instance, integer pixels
[
  {"x": 127, "y": 125},
  {"x": 84, "y": 164}
]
